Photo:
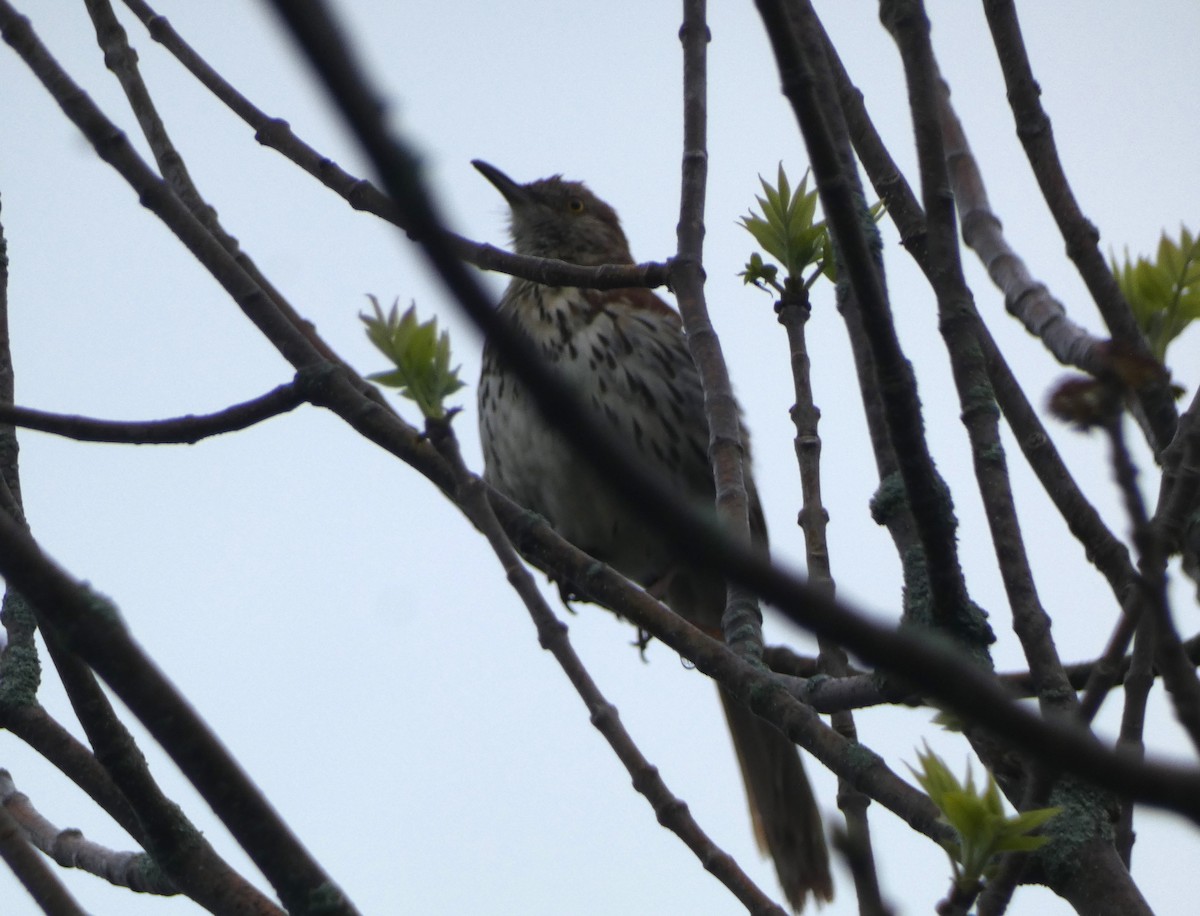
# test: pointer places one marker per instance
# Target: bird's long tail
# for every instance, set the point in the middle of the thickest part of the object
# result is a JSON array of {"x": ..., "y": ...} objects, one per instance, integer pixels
[{"x": 787, "y": 822}]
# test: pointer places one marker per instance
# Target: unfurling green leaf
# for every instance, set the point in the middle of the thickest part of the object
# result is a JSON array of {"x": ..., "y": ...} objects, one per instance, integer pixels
[
  {"x": 977, "y": 817},
  {"x": 786, "y": 232},
  {"x": 1165, "y": 293},
  {"x": 785, "y": 229},
  {"x": 421, "y": 357}
]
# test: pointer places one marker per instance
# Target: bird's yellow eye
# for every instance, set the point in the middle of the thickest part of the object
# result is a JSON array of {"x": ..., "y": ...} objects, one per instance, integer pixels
[{"x": 575, "y": 205}]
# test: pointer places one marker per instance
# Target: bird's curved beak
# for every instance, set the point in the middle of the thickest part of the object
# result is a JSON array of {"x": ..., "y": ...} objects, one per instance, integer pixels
[{"x": 514, "y": 193}]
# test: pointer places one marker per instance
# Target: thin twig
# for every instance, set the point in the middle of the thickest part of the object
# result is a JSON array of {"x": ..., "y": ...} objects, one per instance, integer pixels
[
  {"x": 1178, "y": 674},
  {"x": 552, "y": 272},
  {"x": 180, "y": 850},
  {"x": 122, "y": 60},
  {"x": 742, "y": 620},
  {"x": 793, "y": 310},
  {"x": 33, "y": 871},
  {"x": 185, "y": 430},
  {"x": 1026, "y": 298},
  {"x": 277, "y": 134},
  {"x": 1176, "y": 501},
  {"x": 1081, "y": 236},
  {"x": 829, "y": 694},
  {"x": 854, "y": 690},
  {"x": 134, "y": 870},
  {"x": 1133, "y": 720}
]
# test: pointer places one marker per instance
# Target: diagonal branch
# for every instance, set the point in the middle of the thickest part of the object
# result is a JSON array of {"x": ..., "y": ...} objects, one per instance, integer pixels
[
  {"x": 959, "y": 325},
  {"x": 134, "y": 870},
  {"x": 1179, "y": 497},
  {"x": 277, "y": 134},
  {"x": 34, "y": 726},
  {"x": 925, "y": 491},
  {"x": 179, "y": 850},
  {"x": 1081, "y": 236},
  {"x": 122, "y": 60},
  {"x": 92, "y": 629},
  {"x": 1105, "y": 551},
  {"x": 472, "y": 498},
  {"x": 540, "y": 545},
  {"x": 1026, "y": 298}
]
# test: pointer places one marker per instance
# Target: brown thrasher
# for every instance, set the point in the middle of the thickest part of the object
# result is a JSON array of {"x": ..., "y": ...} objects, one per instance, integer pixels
[{"x": 624, "y": 351}]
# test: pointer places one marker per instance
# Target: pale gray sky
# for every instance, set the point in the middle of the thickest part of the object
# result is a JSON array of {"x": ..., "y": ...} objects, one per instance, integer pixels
[{"x": 341, "y": 627}]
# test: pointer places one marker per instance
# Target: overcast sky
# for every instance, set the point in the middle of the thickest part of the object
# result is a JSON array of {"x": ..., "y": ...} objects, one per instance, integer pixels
[{"x": 341, "y": 627}]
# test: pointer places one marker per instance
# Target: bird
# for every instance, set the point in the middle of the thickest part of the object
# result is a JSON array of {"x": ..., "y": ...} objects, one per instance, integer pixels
[{"x": 625, "y": 353}]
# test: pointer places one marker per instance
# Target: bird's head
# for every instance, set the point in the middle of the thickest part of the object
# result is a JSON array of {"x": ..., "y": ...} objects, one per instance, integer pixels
[{"x": 554, "y": 218}]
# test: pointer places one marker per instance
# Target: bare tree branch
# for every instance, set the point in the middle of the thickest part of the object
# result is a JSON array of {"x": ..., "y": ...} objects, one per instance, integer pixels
[
  {"x": 277, "y": 134},
  {"x": 1138, "y": 683},
  {"x": 797, "y": 52},
  {"x": 122, "y": 60},
  {"x": 742, "y": 620},
  {"x": 1179, "y": 675},
  {"x": 1026, "y": 298},
  {"x": 793, "y": 310},
  {"x": 93, "y": 630},
  {"x": 959, "y": 324},
  {"x": 888, "y": 507},
  {"x": 134, "y": 870},
  {"x": 472, "y": 499},
  {"x": 179, "y": 849},
  {"x": 539, "y": 544},
  {"x": 1107, "y": 553},
  {"x": 33, "y": 725},
  {"x": 186, "y": 430},
  {"x": 33, "y": 872},
  {"x": 1081, "y": 236},
  {"x": 866, "y": 880}
]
